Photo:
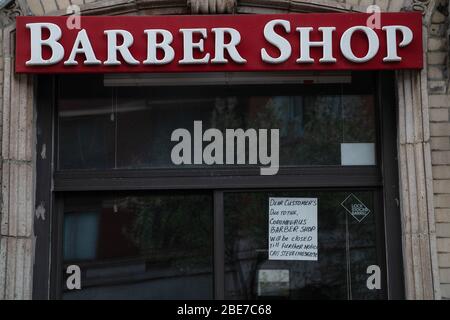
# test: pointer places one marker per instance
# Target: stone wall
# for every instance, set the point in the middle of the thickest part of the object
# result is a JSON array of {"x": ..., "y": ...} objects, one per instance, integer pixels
[
  {"x": 17, "y": 134},
  {"x": 41, "y": 7},
  {"x": 17, "y": 171}
]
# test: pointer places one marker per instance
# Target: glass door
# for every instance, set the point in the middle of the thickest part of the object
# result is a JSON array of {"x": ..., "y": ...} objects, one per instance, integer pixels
[
  {"x": 138, "y": 245},
  {"x": 302, "y": 244},
  {"x": 274, "y": 244}
]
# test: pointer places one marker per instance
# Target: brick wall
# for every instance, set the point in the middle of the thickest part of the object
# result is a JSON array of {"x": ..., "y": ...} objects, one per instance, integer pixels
[{"x": 439, "y": 100}]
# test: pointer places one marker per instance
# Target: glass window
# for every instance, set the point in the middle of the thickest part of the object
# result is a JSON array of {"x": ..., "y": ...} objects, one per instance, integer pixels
[
  {"x": 86, "y": 124},
  {"x": 139, "y": 246},
  {"x": 346, "y": 247},
  {"x": 131, "y": 127},
  {"x": 133, "y": 241}
]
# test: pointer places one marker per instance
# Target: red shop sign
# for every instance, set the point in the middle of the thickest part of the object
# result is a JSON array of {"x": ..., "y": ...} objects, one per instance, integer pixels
[{"x": 333, "y": 41}]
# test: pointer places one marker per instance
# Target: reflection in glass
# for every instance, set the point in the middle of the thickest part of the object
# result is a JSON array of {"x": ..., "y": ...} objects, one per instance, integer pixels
[
  {"x": 131, "y": 127},
  {"x": 140, "y": 246},
  {"x": 80, "y": 236},
  {"x": 346, "y": 249},
  {"x": 86, "y": 125}
]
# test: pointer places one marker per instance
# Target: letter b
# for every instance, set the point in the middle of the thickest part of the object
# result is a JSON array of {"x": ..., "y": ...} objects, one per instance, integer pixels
[
  {"x": 164, "y": 45},
  {"x": 37, "y": 43}
]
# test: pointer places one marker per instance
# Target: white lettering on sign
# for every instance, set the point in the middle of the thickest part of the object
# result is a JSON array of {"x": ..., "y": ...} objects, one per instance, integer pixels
[
  {"x": 230, "y": 47},
  {"x": 278, "y": 41},
  {"x": 391, "y": 34},
  {"x": 37, "y": 44},
  {"x": 306, "y": 44},
  {"x": 293, "y": 229},
  {"x": 189, "y": 45},
  {"x": 153, "y": 45},
  {"x": 119, "y": 44},
  {"x": 82, "y": 45},
  {"x": 372, "y": 39},
  {"x": 123, "y": 48}
]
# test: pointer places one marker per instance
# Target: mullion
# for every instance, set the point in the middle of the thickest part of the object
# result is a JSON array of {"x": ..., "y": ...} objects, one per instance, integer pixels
[{"x": 219, "y": 246}]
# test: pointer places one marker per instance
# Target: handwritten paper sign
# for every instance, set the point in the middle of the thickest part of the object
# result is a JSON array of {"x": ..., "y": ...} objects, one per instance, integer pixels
[{"x": 293, "y": 229}]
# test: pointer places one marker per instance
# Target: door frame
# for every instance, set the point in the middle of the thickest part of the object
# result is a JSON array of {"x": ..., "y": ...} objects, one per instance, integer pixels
[{"x": 49, "y": 182}]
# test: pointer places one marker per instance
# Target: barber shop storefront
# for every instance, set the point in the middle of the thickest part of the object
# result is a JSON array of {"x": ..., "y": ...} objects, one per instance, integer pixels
[{"x": 218, "y": 157}]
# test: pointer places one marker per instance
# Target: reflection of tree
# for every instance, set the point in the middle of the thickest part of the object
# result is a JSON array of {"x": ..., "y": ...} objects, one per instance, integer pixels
[
  {"x": 359, "y": 118},
  {"x": 310, "y": 126},
  {"x": 173, "y": 229},
  {"x": 246, "y": 238},
  {"x": 245, "y": 214},
  {"x": 227, "y": 114},
  {"x": 320, "y": 143}
]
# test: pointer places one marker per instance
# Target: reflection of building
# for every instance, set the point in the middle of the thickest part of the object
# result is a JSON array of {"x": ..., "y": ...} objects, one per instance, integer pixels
[{"x": 422, "y": 149}]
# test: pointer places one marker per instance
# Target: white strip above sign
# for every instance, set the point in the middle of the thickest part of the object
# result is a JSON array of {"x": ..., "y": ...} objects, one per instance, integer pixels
[{"x": 224, "y": 78}]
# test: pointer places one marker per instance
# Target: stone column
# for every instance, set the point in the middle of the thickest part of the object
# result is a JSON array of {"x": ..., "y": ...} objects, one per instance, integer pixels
[
  {"x": 416, "y": 187},
  {"x": 17, "y": 194},
  {"x": 416, "y": 177}
]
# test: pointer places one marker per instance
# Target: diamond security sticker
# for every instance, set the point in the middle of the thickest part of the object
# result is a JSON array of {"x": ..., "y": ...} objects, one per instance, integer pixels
[{"x": 355, "y": 207}]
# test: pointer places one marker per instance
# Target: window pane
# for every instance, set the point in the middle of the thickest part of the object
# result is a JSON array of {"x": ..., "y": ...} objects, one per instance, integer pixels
[
  {"x": 139, "y": 246},
  {"x": 86, "y": 124},
  {"x": 346, "y": 248},
  {"x": 131, "y": 127},
  {"x": 146, "y": 119},
  {"x": 314, "y": 121}
]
